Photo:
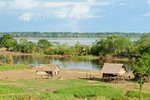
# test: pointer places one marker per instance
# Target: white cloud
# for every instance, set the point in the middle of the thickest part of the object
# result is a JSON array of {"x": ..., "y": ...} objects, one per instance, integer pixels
[
  {"x": 79, "y": 10},
  {"x": 75, "y": 10},
  {"x": 19, "y": 4},
  {"x": 26, "y": 17},
  {"x": 58, "y": 4},
  {"x": 87, "y": 2},
  {"x": 23, "y": 4},
  {"x": 2, "y": 4}
]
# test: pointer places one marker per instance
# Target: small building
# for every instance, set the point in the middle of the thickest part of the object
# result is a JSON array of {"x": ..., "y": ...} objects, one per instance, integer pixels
[
  {"x": 48, "y": 70},
  {"x": 112, "y": 71}
]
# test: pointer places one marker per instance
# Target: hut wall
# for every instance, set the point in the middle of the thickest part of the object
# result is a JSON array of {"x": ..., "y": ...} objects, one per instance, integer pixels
[{"x": 122, "y": 72}]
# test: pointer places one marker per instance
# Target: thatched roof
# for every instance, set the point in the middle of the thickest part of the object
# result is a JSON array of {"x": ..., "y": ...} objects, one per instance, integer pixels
[
  {"x": 49, "y": 67},
  {"x": 110, "y": 68}
]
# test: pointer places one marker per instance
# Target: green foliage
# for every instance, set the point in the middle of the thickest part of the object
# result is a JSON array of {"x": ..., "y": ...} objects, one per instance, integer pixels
[
  {"x": 143, "y": 45},
  {"x": 142, "y": 67},
  {"x": 8, "y": 41},
  {"x": 26, "y": 46},
  {"x": 116, "y": 45},
  {"x": 136, "y": 94},
  {"x": 59, "y": 50},
  {"x": 64, "y": 49},
  {"x": 91, "y": 91},
  {"x": 43, "y": 43},
  {"x": 80, "y": 50}
]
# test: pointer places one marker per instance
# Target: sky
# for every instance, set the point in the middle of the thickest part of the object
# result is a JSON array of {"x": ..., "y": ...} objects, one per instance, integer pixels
[{"x": 75, "y": 15}]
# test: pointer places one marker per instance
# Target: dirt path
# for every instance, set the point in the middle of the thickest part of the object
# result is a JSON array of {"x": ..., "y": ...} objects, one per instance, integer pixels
[{"x": 64, "y": 74}]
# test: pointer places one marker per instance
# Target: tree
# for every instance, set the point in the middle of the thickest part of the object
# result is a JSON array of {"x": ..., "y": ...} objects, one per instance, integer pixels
[
  {"x": 143, "y": 45},
  {"x": 10, "y": 43},
  {"x": 26, "y": 46},
  {"x": 7, "y": 41},
  {"x": 43, "y": 43},
  {"x": 116, "y": 45},
  {"x": 4, "y": 38},
  {"x": 142, "y": 69}
]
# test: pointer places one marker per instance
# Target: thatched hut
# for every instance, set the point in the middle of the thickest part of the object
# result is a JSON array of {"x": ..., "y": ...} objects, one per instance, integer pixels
[
  {"x": 48, "y": 70},
  {"x": 113, "y": 71}
]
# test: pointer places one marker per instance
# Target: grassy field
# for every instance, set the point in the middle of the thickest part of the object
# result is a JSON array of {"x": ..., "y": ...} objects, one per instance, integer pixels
[
  {"x": 5, "y": 67},
  {"x": 65, "y": 89},
  {"x": 38, "y": 89}
]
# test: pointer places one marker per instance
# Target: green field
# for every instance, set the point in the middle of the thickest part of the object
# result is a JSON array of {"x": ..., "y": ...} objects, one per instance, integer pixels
[
  {"x": 5, "y": 67},
  {"x": 38, "y": 89}
]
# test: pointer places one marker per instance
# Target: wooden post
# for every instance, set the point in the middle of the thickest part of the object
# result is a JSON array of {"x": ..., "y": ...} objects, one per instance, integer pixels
[{"x": 86, "y": 75}]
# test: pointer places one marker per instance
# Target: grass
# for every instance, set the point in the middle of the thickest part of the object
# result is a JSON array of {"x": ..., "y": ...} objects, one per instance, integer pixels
[
  {"x": 92, "y": 91},
  {"x": 88, "y": 57},
  {"x": 22, "y": 93},
  {"x": 10, "y": 89},
  {"x": 42, "y": 85},
  {"x": 4, "y": 67},
  {"x": 38, "y": 54},
  {"x": 37, "y": 89},
  {"x": 133, "y": 94}
]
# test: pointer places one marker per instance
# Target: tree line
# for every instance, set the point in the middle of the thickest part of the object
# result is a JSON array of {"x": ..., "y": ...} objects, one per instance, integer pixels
[
  {"x": 113, "y": 45},
  {"x": 70, "y": 34}
]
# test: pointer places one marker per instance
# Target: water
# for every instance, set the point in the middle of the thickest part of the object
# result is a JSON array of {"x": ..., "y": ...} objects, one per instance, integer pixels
[
  {"x": 62, "y": 62},
  {"x": 66, "y": 63},
  {"x": 69, "y": 41}
]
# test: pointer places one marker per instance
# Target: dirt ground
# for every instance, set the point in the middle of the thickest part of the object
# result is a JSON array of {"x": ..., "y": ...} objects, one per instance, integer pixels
[
  {"x": 64, "y": 74},
  {"x": 3, "y": 51}
]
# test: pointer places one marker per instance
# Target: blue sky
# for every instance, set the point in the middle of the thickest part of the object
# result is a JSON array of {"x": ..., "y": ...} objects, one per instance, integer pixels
[{"x": 75, "y": 15}]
